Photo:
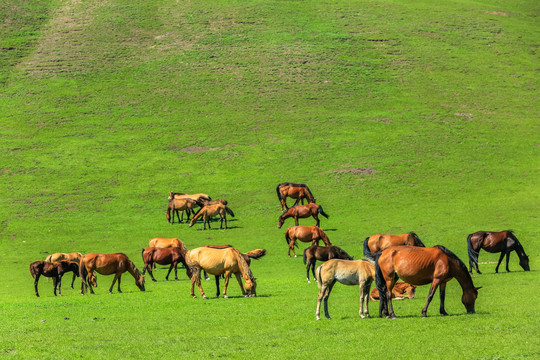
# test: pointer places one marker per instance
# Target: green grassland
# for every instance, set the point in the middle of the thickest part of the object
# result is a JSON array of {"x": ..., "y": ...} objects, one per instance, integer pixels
[{"x": 400, "y": 116}]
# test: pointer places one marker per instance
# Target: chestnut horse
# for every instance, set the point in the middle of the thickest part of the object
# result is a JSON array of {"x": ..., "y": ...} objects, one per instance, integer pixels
[
  {"x": 53, "y": 270},
  {"x": 210, "y": 211},
  {"x": 420, "y": 266},
  {"x": 181, "y": 205},
  {"x": 166, "y": 242},
  {"x": 359, "y": 272},
  {"x": 294, "y": 191},
  {"x": 311, "y": 234},
  {"x": 493, "y": 242},
  {"x": 322, "y": 253},
  {"x": 398, "y": 292},
  {"x": 226, "y": 261},
  {"x": 301, "y": 212},
  {"x": 376, "y": 243},
  {"x": 197, "y": 197},
  {"x": 164, "y": 256},
  {"x": 108, "y": 264}
]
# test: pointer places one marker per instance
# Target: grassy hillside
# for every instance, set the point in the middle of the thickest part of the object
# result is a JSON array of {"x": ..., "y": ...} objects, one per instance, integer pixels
[{"x": 399, "y": 116}]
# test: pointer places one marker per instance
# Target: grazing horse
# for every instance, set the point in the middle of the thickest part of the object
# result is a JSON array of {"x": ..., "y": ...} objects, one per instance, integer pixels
[
  {"x": 197, "y": 197},
  {"x": 302, "y": 211},
  {"x": 226, "y": 261},
  {"x": 493, "y": 242},
  {"x": 376, "y": 243},
  {"x": 306, "y": 234},
  {"x": 210, "y": 211},
  {"x": 74, "y": 257},
  {"x": 214, "y": 202},
  {"x": 398, "y": 292},
  {"x": 164, "y": 256},
  {"x": 253, "y": 254},
  {"x": 294, "y": 191},
  {"x": 420, "y": 266},
  {"x": 322, "y": 253},
  {"x": 108, "y": 264},
  {"x": 52, "y": 269},
  {"x": 176, "y": 205},
  {"x": 359, "y": 272}
]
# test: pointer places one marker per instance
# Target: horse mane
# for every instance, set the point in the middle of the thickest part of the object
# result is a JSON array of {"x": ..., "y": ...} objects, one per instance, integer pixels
[
  {"x": 417, "y": 241},
  {"x": 519, "y": 247},
  {"x": 242, "y": 264},
  {"x": 453, "y": 256},
  {"x": 473, "y": 255}
]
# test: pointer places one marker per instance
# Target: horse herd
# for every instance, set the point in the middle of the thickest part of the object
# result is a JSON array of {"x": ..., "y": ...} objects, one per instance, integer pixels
[{"x": 387, "y": 258}]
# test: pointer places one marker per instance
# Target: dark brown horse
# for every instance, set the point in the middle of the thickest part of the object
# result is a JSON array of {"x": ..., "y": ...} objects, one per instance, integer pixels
[
  {"x": 312, "y": 234},
  {"x": 165, "y": 256},
  {"x": 53, "y": 270},
  {"x": 322, "y": 253},
  {"x": 301, "y": 212},
  {"x": 420, "y": 266},
  {"x": 398, "y": 292},
  {"x": 494, "y": 242},
  {"x": 108, "y": 264},
  {"x": 376, "y": 243},
  {"x": 294, "y": 191}
]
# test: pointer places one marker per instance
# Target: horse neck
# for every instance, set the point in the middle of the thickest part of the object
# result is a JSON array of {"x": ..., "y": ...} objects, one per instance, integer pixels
[
  {"x": 519, "y": 248},
  {"x": 198, "y": 215},
  {"x": 132, "y": 269},
  {"x": 243, "y": 266},
  {"x": 461, "y": 274}
]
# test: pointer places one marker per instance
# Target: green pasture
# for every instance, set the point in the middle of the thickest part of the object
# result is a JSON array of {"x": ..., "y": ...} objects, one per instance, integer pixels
[{"x": 400, "y": 116}]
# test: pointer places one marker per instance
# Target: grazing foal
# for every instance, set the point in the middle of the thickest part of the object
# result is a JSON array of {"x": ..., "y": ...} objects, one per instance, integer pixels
[{"x": 52, "y": 269}]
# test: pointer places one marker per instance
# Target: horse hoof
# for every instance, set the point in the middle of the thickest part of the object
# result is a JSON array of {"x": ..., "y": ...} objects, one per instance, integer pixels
[
  {"x": 309, "y": 282},
  {"x": 205, "y": 297},
  {"x": 154, "y": 280},
  {"x": 318, "y": 318},
  {"x": 295, "y": 256},
  {"x": 225, "y": 297}
]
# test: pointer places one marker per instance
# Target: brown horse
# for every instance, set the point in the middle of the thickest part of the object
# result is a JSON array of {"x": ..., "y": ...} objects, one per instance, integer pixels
[
  {"x": 376, "y": 243},
  {"x": 210, "y": 211},
  {"x": 420, "y": 266},
  {"x": 214, "y": 202},
  {"x": 322, "y": 253},
  {"x": 53, "y": 270},
  {"x": 226, "y": 261},
  {"x": 197, "y": 197},
  {"x": 108, "y": 264},
  {"x": 166, "y": 242},
  {"x": 359, "y": 272},
  {"x": 164, "y": 256},
  {"x": 398, "y": 292},
  {"x": 181, "y": 205},
  {"x": 74, "y": 257},
  {"x": 311, "y": 234},
  {"x": 294, "y": 191},
  {"x": 493, "y": 242},
  {"x": 301, "y": 212}
]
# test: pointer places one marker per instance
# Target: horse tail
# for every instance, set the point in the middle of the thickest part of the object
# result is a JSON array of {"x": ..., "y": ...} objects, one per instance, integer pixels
[
  {"x": 256, "y": 254},
  {"x": 367, "y": 252},
  {"x": 318, "y": 275},
  {"x": 229, "y": 211},
  {"x": 279, "y": 192},
  {"x": 417, "y": 241},
  {"x": 473, "y": 255},
  {"x": 381, "y": 286},
  {"x": 83, "y": 271},
  {"x": 321, "y": 211},
  {"x": 287, "y": 237},
  {"x": 305, "y": 256}
]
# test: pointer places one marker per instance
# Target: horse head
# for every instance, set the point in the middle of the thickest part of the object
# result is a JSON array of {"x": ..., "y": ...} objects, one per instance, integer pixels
[
  {"x": 250, "y": 287},
  {"x": 280, "y": 222},
  {"x": 468, "y": 299},
  {"x": 524, "y": 262},
  {"x": 140, "y": 282},
  {"x": 342, "y": 254}
]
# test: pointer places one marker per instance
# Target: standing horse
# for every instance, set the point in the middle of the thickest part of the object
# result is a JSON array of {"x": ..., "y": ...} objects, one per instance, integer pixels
[
  {"x": 108, "y": 264},
  {"x": 359, "y": 272},
  {"x": 301, "y": 212},
  {"x": 197, "y": 197},
  {"x": 322, "y": 253},
  {"x": 306, "y": 234},
  {"x": 164, "y": 256},
  {"x": 52, "y": 269},
  {"x": 398, "y": 292},
  {"x": 493, "y": 242},
  {"x": 210, "y": 211},
  {"x": 420, "y": 266},
  {"x": 181, "y": 205},
  {"x": 294, "y": 191},
  {"x": 226, "y": 261},
  {"x": 74, "y": 257},
  {"x": 376, "y": 243}
]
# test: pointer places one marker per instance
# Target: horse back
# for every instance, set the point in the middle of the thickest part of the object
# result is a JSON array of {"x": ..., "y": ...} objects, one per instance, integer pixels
[{"x": 415, "y": 265}]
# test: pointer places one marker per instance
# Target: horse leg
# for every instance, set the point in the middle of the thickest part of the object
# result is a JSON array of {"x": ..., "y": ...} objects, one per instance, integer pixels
[
  {"x": 364, "y": 299},
  {"x": 432, "y": 290},
  {"x": 73, "y": 281},
  {"x": 499, "y": 263},
  {"x": 116, "y": 277},
  {"x": 170, "y": 269},
  {"x": 319, "y": 299},
  {"x": 327, "y": 295},
  {"x": 296, "y": 220},
  {"x": 55, "y": 284},
  {"x": 390, "y": 287},
  {"x": 442, "y": 291},
  {"x": 291, "y": 247},
  {"x": 206, "y": 275},
  {"x": 313, "y": 263},
  {"x": 316, "y": 217},
  {"x": 197, "y": 277},
  {"x": 225, "y": 218},
  {"x": 239, "y": 279},
  {"x": 176, "y": 270},
  {"x": 217, "y": 286},
  {"x": 36, "y": 280},
  {"x": 60, "y": 284},
  {"x": 507, "y": 261},
  {"x": 307, "y": 271}
]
